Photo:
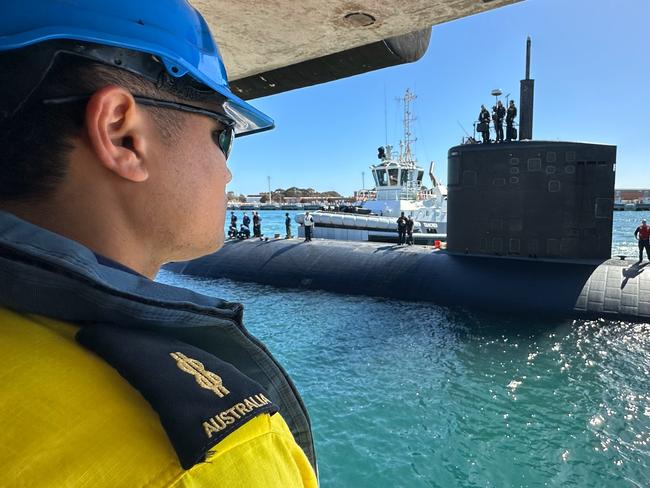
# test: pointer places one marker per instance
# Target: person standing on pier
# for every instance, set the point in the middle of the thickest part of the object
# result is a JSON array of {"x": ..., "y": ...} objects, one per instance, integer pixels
[
  {"x": 309, "y": 225},
  {"x": 484, "y": 124},
  {"x": 233, "y": 220},
  {"x": 642, "y": 234},
  {"x": 510, "y": 120},
  {"x": 287, "y": 225},
  {"x": 401, "y": 229},
  {"x": 246, "y": 220}
]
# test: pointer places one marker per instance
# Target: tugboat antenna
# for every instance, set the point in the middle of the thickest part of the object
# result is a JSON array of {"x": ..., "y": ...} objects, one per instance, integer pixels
[{"x": 408, "y": 98}]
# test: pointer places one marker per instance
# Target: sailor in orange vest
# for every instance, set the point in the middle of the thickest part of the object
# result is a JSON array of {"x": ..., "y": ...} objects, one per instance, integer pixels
[
  {"x": 116, "y": 120},
  {"x": 642, "y": 234}
]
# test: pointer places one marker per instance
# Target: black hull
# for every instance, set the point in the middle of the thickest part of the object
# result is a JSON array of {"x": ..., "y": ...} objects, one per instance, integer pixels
[{"x": 613, "y": 288}]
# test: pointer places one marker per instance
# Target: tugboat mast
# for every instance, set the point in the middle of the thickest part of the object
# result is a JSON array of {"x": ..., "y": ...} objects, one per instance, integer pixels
[{"x": 406, "y": 154}]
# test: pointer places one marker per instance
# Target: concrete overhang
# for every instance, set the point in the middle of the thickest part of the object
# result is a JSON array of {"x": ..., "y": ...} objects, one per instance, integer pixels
[{"x": 271, "y": 46}]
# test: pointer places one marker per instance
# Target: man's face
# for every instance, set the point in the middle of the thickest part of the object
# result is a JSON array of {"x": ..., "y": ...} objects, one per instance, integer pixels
[{"x": 190, "y": 189}]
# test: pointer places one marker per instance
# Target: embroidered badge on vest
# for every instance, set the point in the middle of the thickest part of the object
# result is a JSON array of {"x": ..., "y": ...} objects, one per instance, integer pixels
[
  {"x": 205, "y": 379},
  {"x": 199, "y": 398}
]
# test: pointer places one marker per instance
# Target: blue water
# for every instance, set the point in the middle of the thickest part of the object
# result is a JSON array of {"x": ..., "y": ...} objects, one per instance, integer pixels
[{"x": 417, "y": 395}]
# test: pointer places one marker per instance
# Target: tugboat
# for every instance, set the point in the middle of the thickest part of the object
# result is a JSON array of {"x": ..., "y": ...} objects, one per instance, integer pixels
[{"x": 398, "y": 188}]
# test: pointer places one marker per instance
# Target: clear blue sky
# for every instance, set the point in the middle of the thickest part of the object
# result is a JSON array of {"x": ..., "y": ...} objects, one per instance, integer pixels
[{"x": 590, "y": 62}]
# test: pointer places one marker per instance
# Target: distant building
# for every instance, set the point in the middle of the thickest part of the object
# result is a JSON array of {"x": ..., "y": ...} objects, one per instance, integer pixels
[
  {"x": 253, "y": 198},
  {"x": 364, "y": 195},
  {"x": 625, "y": 195}
]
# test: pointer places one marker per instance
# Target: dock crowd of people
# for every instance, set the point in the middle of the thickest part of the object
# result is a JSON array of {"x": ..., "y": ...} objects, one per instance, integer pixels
[{"x": 244, "y": 232}]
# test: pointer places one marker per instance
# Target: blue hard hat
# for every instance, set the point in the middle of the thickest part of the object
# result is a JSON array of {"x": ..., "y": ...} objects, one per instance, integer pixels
[{"x": 171, "y": 30}]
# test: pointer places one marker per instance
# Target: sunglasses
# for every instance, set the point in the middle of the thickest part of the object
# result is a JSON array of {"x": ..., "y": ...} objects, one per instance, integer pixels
[{"x": 223, "y": 137}]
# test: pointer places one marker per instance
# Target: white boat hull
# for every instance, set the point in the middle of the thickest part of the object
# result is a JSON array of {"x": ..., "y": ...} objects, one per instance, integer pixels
[{"x": 369, "y": 228}]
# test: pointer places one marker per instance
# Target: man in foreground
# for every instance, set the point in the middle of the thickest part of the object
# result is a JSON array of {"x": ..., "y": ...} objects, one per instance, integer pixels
[{"x": 116, "y": 121}]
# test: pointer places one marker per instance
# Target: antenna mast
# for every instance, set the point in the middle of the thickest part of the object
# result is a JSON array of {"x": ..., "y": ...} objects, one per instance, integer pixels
[
  {"x": 408, "y": 98},
  {"x": 526, "y": 96}
]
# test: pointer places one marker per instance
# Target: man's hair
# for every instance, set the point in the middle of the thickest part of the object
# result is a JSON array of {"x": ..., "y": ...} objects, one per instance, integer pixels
[{"x": 36, "y": 141}]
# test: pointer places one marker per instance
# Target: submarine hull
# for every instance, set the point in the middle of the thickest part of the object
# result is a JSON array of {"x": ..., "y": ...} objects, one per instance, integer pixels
[{"x": 611, "y": 288}]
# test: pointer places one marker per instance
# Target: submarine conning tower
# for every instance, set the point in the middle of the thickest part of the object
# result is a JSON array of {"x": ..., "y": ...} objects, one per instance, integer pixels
[{"x": 531, "y": 199}]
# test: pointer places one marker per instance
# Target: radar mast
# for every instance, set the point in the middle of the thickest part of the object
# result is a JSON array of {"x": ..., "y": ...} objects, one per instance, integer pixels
[{"x": 406, "y": 155}]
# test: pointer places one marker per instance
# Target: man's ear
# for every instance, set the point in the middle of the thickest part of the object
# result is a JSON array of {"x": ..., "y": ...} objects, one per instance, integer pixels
[{"x": 116, "y": 131}]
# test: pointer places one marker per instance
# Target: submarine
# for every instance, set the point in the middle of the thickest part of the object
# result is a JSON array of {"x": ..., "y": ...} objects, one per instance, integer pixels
[{"x": 529, "y": 230}]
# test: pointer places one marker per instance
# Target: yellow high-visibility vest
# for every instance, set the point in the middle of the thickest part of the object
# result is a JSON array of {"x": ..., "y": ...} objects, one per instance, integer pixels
[{"x": 68, "y": 419}]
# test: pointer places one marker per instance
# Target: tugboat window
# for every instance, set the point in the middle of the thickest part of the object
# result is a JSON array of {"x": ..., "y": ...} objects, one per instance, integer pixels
[
  {"x": 392, "y": 176},
  {"x": 420, "y": 175},
  {"x": 381, "y": 177},
  {"x": 404, "y": 177}
]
